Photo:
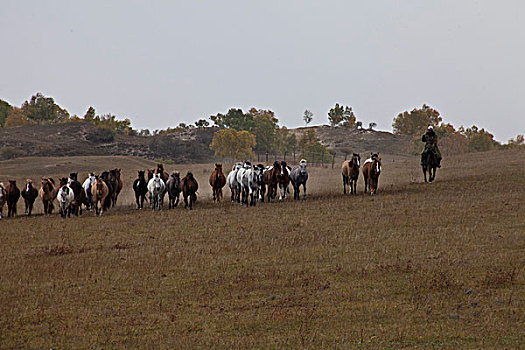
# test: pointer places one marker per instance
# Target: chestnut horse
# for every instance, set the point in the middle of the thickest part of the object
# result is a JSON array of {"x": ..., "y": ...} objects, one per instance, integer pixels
[
  {"x": 350, "y": 171},
  {"x": 284, "y": 180},
  {"x": 29, "y": 193},
  {"x": 100, "y": 191},
  {"x": 48, "y": 193},
  {"x": 189, "y": 189},
  {"x": 13, "y": 195},
  {"x": 114, "y": 179},
  {"x": 271, "y": 176},
  {"x": 3, "y": 197},
  {"x": 163, "y": 173},
  {"x": 371, "y": 172},
  {"x": 217, "y": 182}
]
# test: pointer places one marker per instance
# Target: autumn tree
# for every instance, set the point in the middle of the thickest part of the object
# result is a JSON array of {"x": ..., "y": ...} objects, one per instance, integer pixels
[
  {"x": 44, "y": 110},
  {"x": 232, "y": 144},
  {"x": 517, "y": 142},
  {"x": 17, "y": 117},
  {"x": 4, "y": 111},
  {"x": 416, "y": 121},
  {"x": 479, "y": 140},
  {"x": 342, "y": 115},
  {"x": 307, "y": 117}
]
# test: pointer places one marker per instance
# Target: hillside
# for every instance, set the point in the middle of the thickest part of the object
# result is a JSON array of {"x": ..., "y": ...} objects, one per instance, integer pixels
[{"x": 189, "y": 146}]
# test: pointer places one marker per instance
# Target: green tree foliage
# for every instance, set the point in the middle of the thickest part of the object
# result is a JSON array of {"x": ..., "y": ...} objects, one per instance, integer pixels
[
  {"x": 232, "y": 144},
  {"x": 311, "y": 147},
  {"x": 307, "y": 117},
  {"x": 44, "y": 110},
  {"x": 416, "y": 121},
  {"x": 202, "y": 123},
  {"x": 479, "y": 140},
  {"x": 342, "y": 116},
  {"x": 234, "y": 119},
  {"x": 90, "y": 115},
  {"x": 4, "y": 111},
  {"x": 109, "y": 121}
]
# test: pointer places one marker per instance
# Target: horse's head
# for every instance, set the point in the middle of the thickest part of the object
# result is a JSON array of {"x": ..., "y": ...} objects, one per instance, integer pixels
[
  {"x": 356, "y": 159},
  {"x": 63, "y": 182},
  {"x": 141, "y": 174},
  {"x": 302, "y": 167},
  {"x": 247, "y": 164},
  {"x": 118, "y": 172},
  {"x": 105, "y": 175},
  {"x": 237, "y": 166},
  {"x": 176, "y": 175},
  {"x": 160, "y": 168},
  {"x": 73, "y": 176},
  {"x": 29, "y": 185},
  {"x": 189, "y": 175},
  {"x": 150, "y": 173},
  {"x": 218, "y": 167},
  {"x": 377, "y": 166},
  {"x": 276, "y": 170},
  {"x": 112, "y": 175},
  {"x": 284, "y": 166}
]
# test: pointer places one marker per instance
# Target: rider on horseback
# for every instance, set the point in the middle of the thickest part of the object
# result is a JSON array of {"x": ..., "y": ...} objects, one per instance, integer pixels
[{"x": 430, "y": 139}]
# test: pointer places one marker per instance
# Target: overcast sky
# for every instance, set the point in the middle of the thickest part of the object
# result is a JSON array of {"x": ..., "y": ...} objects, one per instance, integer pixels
[{"x": 160, "y": 63}]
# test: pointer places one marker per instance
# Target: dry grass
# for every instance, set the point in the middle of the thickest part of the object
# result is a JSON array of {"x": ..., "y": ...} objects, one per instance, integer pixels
[{"x": 417, "y": 266}]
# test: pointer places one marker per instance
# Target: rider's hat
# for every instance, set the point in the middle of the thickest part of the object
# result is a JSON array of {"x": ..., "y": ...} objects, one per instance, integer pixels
[{"x": 430, "y": 127}]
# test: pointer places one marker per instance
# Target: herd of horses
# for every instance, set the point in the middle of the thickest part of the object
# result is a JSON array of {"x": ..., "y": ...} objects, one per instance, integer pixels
[{"x": 248, "y": 184}]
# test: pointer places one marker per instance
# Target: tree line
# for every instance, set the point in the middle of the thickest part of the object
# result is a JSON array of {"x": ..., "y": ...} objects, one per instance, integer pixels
[{"x": 240, "y": 134}]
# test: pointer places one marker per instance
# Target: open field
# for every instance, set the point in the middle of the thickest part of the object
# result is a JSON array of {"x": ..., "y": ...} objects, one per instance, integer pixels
[{"x": 417, "y": 266}]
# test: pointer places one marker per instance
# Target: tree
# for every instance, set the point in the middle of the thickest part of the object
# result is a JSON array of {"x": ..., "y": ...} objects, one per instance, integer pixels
[
  {"x": 44, "y": 110},
  {"x": 341, "y": 115},
  {"x": 90, "y": 115},
  {"x": 202, "y": 123},
  {"x": 4, "y": 111},
  {"x": 517, "y": 142},
  {"x": 416, "y": 121},
  {"x": 232, "y": 144},
  {"x": 372, "y": 125},
  {"x": 479, "y": 140},
  {"x": 307, "y": 117},
  {"x": 17, "y": 117},
  {"x": 234, "y": 119},
  {"x": 265, "y": 128}
]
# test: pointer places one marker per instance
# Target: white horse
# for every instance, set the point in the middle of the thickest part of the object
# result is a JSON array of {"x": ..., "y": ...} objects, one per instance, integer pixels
[
  {"x": 250, "y": 184},
  {"x": 87, "y": 185},
  {"x": 156, "y": 189},
  {"x": 240, "y": 174},
  {"x": 231, "y": 180},
  {"x": 65, "y": 197}
]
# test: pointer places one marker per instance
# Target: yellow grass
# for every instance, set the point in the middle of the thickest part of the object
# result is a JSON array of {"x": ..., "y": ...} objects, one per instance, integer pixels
[{"x": 417, "y": 266}]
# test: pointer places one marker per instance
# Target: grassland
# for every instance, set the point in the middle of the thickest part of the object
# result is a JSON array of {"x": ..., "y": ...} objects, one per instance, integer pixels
[{"x": 417, "y": 266}]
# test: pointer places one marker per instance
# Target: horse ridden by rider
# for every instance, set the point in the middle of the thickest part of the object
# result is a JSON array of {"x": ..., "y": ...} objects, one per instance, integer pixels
[{"x": 431, "y": 156}]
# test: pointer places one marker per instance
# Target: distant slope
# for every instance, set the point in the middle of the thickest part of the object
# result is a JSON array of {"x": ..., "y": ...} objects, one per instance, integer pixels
[{"x": 188, "y": 146}]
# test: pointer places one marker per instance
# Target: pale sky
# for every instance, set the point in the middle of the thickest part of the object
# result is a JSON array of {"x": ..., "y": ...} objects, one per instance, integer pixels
[{"x": 160, "y": 63}]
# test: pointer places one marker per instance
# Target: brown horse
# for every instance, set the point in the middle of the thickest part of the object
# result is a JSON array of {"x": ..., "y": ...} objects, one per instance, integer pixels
[
  {"x": 163, "y": 173},
  {"x": 150, "y": 174},
  {"x": 120, "y": 184},
  {"x": 217, "y": 182},
  {"x": 13, "y": 195},
  {"x": 371, "y": 172},
  {"x": 189, "y": 189},
  {"x": 284, "y": 180},
  {"x": 271, "y": 176},
  {"x": 80, "y": 194},
  {"x": 350, "y": 171},
  {"x": 48, "y": 193},
  {"x": 100, "y": 191},
  {"x": 114, "y": 179},
  {"x": 29, "y": 193},
  {"x": 3, "y": 198}
]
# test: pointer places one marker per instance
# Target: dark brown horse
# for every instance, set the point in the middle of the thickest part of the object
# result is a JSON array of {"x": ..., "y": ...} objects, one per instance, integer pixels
[
  {"x": 350, "y": 171},
  {"x": 48, "y": 193},
  {"x": 29, "y": 193},
  {"x": 371, "y": 172},
  {"x": 271, "y": 176},
  {"x": 284, "y": 180},
  {"x": 163, "y": 173},
  {"x": 217, "y": 182},
  {"x": 13, "y": 195},
  {"x": 189, "y": 189},
  {"x": 116, "y": 184},
  {"x": 3, "y": 198},
  {"x": 80, "y": 194}
]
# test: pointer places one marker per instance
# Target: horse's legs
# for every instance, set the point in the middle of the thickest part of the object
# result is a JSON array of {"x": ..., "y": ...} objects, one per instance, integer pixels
[
  {"x": 344, "y": 184},
  {"x": 425, "y": 173},
  {"x": 304, "y": 190}
]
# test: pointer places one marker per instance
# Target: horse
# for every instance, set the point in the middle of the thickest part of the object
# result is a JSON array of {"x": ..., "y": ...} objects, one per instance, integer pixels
[
  {"x": 429, "y": 163},
  {"x": 250, "y": 184},
  {"x": 173, "y": 187},
  {"x": 240, "y": 174},
  {"x": 108, "y": 199},
  {"x": 118, "y": 172},
  {"x": 163, "y": 173},
  {"x": 140, "y": 187},
  {"x": 371, "y": 172},
  {"x": 284, "y": 180},
  {"x": 65, "y": 198},
  {"x": 87, "y": 185},
  {"x": 29, "y": 193},
  {"x": 3, "y": 197},
  {"x": 271, "y": 176},
  {"x": 189, "y": 190},
  {"x": 100, "y": 192},
  {"x": 78, "y": 190},
  {"x": 235, "y": 187},
  {"x": 13, "y": 195},
  {"x": 115, "y": 183},
  {"x": 150, "y": 173},
  {"x": 350, "y": 171},
  {"x": 48, "y": 193},
  {"x": 298, "y": 177},
  {"x": 217, "y": 182},
  {"x": 156, "y": 189}
]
